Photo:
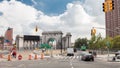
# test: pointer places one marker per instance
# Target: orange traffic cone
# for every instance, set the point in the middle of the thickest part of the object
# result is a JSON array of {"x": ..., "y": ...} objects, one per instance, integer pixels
[
  {"x": 1, "y": 55},
  {"x": 42, "y": 56},
  {"x": 30, "y": 57},
  {"x": 35, "y": 57},
  {"x": 9, "y": 58}
]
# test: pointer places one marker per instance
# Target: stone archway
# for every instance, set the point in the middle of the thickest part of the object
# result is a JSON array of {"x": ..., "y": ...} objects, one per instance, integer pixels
[
  {"x": 52, "y": 42},
  {"x": 32, "y": 41},
  {"x": 56, "y": 35}
]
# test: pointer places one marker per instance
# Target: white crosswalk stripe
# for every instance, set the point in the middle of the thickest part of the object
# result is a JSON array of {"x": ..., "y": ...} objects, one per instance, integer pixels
[{"x": 69, "y": 57}]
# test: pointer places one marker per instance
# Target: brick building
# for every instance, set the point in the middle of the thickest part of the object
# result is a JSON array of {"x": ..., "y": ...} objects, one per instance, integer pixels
[
  {"x": 8, "y": 38},
  {"x": 112, "y": 19}
]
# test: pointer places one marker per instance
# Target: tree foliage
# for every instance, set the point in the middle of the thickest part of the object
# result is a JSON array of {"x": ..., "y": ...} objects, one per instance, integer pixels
[
  {"x": 94, "y": 42},
  {"x": 97, "y": 42},
  {"x": 81, "y": 41},
  {"x": 116, "y": 42}
]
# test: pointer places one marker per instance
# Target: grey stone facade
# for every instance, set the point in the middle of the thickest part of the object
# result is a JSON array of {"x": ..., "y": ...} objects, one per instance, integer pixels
[{"x": 57, "y": 36}]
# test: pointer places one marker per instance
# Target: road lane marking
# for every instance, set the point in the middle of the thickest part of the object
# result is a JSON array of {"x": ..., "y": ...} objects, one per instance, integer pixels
[
  {"x": 71, "y": 63},
  {"x": 22, "y": 65}
]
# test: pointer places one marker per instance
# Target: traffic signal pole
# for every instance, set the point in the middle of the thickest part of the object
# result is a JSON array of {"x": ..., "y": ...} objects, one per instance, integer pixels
[
  {"x": 108, "y": 6},
  {"x": 107, "y": 29}
]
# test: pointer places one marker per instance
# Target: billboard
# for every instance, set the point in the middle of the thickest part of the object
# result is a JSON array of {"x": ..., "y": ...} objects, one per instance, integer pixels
[{"x": 31, "y": 38}]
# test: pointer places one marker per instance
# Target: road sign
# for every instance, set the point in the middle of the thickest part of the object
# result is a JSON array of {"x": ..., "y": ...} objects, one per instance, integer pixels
[
  {"x": 108, "y": 43},
  {"x": 83, "y": 48}
]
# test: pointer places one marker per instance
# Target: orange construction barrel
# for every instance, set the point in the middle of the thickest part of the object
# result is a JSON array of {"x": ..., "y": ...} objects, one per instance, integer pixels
[
  {"x": 35, "y": 57},
  {"x": 9, "y": 57},
  {"x": 42, "y": 56},
  {"x": 30, "y": 57}
]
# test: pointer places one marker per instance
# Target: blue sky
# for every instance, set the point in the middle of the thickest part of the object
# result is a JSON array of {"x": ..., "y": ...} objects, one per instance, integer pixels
[
  {"x": 52, "y": 15},
  {"x": 49, "y": 7}
]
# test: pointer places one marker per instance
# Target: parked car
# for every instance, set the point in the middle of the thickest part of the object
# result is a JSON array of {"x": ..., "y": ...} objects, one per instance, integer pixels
[
  {"x": 87, "y": 57},
  {"x": 116, "y": 58},
  {"x": 117, "y": 53}
]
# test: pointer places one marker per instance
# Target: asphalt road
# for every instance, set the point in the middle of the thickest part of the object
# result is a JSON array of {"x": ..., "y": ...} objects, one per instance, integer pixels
[{"x": 58, "y": 63}]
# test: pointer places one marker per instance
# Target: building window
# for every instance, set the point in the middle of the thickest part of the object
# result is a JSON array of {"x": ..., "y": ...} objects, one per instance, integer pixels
[
  {"x": 119, "y": 12},
  {"x": 118, "y": 1}
]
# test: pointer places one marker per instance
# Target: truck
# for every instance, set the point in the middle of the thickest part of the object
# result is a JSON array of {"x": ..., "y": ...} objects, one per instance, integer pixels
[{"x": 70, "y": 51}]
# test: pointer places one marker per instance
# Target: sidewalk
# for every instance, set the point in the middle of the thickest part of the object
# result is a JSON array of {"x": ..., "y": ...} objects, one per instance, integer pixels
[
  {"x": 25, "y": 55},
  {"x": 105, "y": 57}
]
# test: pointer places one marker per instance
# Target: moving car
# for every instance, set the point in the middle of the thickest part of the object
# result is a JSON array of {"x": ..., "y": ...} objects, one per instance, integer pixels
[
  {"x": 87, "y": 57},
  {"x": 116, "y": 58}
]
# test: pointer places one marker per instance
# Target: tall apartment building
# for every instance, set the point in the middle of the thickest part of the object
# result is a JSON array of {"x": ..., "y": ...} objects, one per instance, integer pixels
[{"x": 112, "y": 19}]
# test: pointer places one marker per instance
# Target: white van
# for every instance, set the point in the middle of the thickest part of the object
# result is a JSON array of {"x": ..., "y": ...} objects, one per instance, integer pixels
[{"x": 70, "y": 52}]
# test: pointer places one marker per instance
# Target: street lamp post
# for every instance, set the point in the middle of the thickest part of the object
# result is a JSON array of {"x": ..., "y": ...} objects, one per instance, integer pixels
[
  {"x": 61, "y": 43},
  {"x": 52, "y": 50},
  {"x": 108, "y": 44},
  {"x": 64, "y": 43},
  {"x": 41, "y": 40},
  {"x": 68, "y": 42},
  {"x": 52, "y": 40}
]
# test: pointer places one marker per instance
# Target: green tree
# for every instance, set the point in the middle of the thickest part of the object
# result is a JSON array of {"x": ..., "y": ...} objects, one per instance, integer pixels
[
  {"x": 81, "y": 41},
  {"x": 105, "y": 43},
  {"x": 97, "y": 42},
  {"x": 94, "y": 42},
  {"x": 116, "y": 43}
]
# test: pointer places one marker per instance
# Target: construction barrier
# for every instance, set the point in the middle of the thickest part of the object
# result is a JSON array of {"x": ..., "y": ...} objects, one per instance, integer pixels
[
  {"x": 30, "y": 57},
  {"x": 35, "y": 57},
  {"x": 9, "y": 57}
]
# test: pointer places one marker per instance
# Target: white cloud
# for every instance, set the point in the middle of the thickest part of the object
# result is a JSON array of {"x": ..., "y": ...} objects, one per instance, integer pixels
[
  {"x": 24, "y": 18},
  {"x": 18, "y": 16},
  {"x": 79, "y": 22},
  {"x": 94, "y": 8}
]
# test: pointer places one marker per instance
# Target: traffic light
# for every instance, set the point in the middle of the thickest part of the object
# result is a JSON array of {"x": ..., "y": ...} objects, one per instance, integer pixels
[
  {"x": 111, "y": 5},
  {"x": 105, "y": 9},
  {"x": 36, "y": 28},
  {"x": 93, "y": 31}
]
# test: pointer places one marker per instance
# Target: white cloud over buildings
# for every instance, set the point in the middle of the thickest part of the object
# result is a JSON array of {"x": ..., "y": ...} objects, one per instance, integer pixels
[{"x": 23, "y": 19}]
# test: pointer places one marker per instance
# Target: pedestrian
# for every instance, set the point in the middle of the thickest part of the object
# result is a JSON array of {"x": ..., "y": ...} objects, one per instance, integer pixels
[{"x": 14, "y": 52}]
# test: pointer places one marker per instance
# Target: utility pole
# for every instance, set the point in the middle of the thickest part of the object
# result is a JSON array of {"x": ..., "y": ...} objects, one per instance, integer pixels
[{"x": 61, "y": 43}]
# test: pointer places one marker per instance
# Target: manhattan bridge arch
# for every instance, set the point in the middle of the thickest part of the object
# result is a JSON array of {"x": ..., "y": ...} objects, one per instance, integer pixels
[{"x": 54, "y": 38}]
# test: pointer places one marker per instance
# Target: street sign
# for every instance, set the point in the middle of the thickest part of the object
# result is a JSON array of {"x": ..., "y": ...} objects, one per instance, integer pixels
[
  {"x": 83, "y": 48},
  {"x": 108, "y": 43}
]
